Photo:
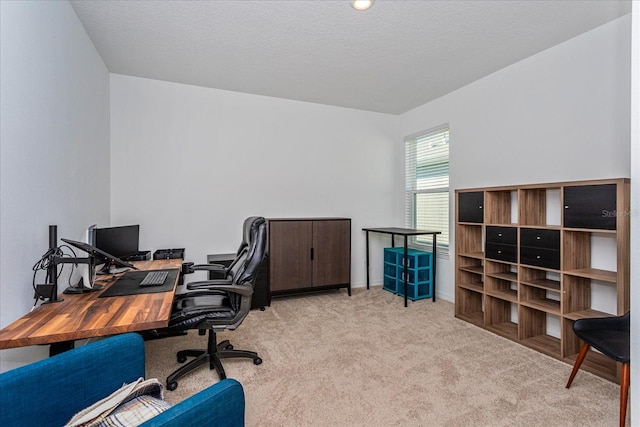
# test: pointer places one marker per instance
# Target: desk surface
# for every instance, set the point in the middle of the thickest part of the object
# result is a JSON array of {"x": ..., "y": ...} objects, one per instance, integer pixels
[
  {"x": 85, "y": 315},
  {"x": 401, "y": 231}
]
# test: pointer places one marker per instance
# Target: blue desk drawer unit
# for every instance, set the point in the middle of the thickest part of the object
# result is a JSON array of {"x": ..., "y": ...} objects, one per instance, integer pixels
[{"x": 420, "y": 273}]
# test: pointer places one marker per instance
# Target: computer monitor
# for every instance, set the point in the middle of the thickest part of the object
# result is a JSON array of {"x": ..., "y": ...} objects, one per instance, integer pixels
[{"x": 119, "y": 241}]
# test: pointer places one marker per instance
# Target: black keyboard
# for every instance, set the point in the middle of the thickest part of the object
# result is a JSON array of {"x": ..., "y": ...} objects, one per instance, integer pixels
[{"x": 154, "y": 278}]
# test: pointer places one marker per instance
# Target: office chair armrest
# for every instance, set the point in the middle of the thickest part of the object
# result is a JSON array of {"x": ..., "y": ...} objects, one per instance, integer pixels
[
  {"x": 209, "y": 267},
  {"x": 189, "y": 267},
  {"x": 220, "y": 285},
  {"x": 205, "y": 284}
]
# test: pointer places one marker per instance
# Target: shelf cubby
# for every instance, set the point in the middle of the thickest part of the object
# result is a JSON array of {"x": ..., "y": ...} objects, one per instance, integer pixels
[
  {"x": 471, "y": 306},
  {"x": 501, "y": 281},
  {"x": 470, "y": 274},
  {"x": 579, "y": 306},
  {"x": 498, "y": 206},
  {"x": 471, "y": 281},
  {"x": 533, "y": 331},
  {"x": 540, "y": 278},
  {"x": 540, "y": 290},
  {"x": 533, "y": 206},
  {"x": 469, "y": 241},
  {"x": 499, "y": 317},
  {"x": 539, "y": 207}
]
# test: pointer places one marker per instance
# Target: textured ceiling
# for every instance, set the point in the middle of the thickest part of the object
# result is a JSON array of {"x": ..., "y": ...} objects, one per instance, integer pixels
[{"x": 392, "y": 58}]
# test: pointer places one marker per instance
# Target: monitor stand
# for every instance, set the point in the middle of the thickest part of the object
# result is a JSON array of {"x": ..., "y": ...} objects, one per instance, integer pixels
[{"x": 85, "y": 284}]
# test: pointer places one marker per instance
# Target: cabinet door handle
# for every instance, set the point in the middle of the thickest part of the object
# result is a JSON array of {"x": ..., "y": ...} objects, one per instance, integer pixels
[{"x": 311, "y": 254}]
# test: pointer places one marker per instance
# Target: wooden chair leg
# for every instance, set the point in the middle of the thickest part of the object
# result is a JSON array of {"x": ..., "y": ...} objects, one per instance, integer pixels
[
  {"x": 576, "y": 366},
  {"x": 624, "y": 393}
]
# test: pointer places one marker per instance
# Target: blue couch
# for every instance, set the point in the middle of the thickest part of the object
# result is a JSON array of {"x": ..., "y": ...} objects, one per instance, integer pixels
[{"x": 49, "y": 392}]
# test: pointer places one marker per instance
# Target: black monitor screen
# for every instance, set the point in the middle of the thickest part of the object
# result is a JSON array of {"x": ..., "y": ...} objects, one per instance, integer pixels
[{"x": 119, "y": 241}]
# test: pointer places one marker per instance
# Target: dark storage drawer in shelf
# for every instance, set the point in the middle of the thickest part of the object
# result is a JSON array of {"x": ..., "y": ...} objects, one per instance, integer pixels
[
  {"x": 501, "y": 252},
  {"x": 504, "y": 235},
  {"x": 539, "y": 238},
  {"x": 590, "y": 206},
  {"x": 546, "y": 258},
  {"x": 470, "y": 207}
]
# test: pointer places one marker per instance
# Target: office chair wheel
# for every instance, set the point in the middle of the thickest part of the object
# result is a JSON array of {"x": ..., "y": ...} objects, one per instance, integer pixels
[
  {"x": 172, "y": 385},
  {"x": 229, "y": 347},
  {"x": 257, "y": 361},
  {"x": 182, "y": 359}
]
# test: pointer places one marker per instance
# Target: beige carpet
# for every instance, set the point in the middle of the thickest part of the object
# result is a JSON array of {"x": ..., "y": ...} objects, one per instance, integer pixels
[{"x": 365, "y": 360}]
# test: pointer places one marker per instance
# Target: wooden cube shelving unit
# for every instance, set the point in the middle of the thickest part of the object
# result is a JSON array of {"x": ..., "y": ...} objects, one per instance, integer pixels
[{"x": 524, "y": 264}]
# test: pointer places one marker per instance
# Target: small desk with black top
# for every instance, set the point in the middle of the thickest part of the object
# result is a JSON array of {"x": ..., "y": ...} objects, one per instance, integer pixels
[{"x": 405, "y": 232}]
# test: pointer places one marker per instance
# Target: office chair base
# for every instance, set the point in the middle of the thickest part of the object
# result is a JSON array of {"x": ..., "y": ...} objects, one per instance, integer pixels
[{"x": 213, "y": 355}]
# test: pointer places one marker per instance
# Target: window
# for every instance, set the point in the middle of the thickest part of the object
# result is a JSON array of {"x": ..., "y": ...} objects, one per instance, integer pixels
[{"x": 427, "y": 184}]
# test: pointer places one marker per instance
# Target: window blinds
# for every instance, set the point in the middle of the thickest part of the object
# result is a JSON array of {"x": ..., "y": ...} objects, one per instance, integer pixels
[{"x": 427, "y": 185}]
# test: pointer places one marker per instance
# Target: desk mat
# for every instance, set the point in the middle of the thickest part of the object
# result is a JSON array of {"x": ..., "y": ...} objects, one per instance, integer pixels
[{"x": 129, "y": 284}]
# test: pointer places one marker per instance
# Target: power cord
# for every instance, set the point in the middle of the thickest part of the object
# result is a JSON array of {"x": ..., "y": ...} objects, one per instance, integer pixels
[{"x": 44, "y": 263}]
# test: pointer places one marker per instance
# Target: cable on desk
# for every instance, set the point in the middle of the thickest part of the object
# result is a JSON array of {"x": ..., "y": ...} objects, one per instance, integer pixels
[{"x": 44, "y": 263}]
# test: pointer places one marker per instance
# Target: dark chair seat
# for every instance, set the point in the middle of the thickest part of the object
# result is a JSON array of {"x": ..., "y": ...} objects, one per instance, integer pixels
[
  {"x": 610, "y": 336},
  {"x": 196, "y": 307}
]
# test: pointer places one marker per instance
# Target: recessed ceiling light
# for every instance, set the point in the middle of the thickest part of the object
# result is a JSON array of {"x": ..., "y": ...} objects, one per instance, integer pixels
[{"x": 361, "y": 4}]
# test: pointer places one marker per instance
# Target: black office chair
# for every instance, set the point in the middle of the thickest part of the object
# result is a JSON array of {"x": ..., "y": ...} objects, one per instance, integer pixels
[
  {"x": 218, "y": 305},
  {"x": 610, "y": 336}
]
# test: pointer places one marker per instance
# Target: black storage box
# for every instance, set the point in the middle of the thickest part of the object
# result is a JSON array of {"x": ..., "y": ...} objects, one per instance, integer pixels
[
  {"x": 140, "y": 256},
  {"x": 169, "y": 254}
]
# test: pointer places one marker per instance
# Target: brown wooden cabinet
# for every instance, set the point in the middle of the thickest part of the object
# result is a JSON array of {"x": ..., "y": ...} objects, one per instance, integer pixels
[
  {"x": 529, "y": 261},
  {"x": 309, "y": 254}
]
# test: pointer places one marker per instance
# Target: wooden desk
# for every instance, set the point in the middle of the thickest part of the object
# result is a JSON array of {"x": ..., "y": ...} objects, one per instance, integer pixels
[
  {"x": 83, "y": 316},
  {"x": 405, "y": 232}
]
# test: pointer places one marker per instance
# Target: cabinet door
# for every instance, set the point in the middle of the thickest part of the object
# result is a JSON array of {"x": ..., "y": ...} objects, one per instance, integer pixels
[
  {"x": 590, "y": 206},
  {"x": 470, "y": 207},
  {"x": 290, "y": 255},
  {"x": 332, "y": 252}
]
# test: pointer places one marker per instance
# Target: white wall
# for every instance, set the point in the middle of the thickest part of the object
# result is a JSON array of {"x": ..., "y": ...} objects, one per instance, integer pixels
[
  {"x": 560, "y": 115},
  {"x": 634, "y": 408},
  {"x": 212, "y": 157},
  {"x": 54, "y": 145},
  {"x": 519, "y": 125}
]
